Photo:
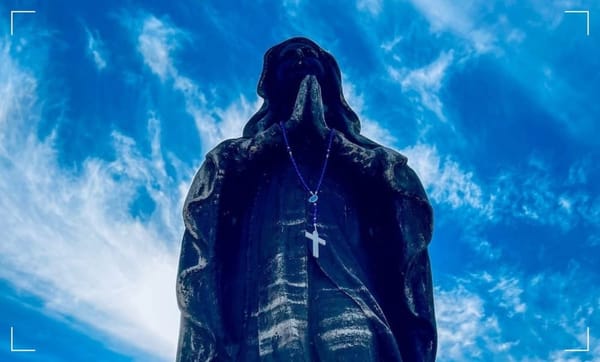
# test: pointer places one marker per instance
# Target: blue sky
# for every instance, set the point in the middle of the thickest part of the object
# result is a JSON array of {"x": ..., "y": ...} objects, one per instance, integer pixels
[{"x": 107, "y": 109}]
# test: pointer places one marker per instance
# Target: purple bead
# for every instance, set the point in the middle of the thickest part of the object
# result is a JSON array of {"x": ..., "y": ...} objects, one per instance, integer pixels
[{"x": 314, "y": 197}]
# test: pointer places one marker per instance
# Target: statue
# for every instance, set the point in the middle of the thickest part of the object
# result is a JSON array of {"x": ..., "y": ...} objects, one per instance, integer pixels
[{"x": 304, "y": 240}]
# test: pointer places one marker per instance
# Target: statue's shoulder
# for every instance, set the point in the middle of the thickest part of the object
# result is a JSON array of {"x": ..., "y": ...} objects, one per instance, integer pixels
[
  {"x": 394, "y": 157},
  {"x": 225, "y": 150},
  {"x": 216, "y": 163},
  {"x": 402, "y": 177}
]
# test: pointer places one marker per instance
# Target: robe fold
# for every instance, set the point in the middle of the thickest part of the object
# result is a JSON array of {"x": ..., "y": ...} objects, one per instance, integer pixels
[{"x": 248, "y": 286}]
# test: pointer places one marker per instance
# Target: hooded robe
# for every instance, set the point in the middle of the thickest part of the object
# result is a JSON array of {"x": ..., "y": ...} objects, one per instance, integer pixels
[{"x": 248, "y": 286}]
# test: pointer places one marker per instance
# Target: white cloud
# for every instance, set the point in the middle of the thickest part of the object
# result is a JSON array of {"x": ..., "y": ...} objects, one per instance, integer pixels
[
  {"x": 458, "y": 18},
  {"x": 70, "y": 238},
  {"x": 550, "y": 14},
  {"x": 443, "y": 178},
  {"x": 541, "y": 196},
  {"x": 369, "y": 128},
  {"x": 377, "y": 133},
  {"x": 426, "y": 81},
  {"x": 292, "y": 3},
  {"x": 460, "y": 317},
  {"x": 445, "y": 181},
  {"x": 569, "y": 305},
  {"x": 389, "y": 45},
  {"x": 466, "y": 332},
  {"x": 156, "y": 42},
  {"x": 371, "y": 6},
  {"x": 515, "y": 36},
  {"x": 510, "y": 292},
  {"x": 96, "y": 49},
  {"x": 485, "y": 316},
  {"x": 234, "y": 117},
  {"x": 535, "y": 195}
]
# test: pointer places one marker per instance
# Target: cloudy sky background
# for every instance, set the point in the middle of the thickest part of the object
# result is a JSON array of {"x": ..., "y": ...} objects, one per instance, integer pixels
[{"x": 107, "y": 110}]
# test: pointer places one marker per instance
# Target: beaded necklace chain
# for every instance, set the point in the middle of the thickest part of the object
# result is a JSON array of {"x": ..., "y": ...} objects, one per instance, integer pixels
[{"x": 313, "y": 195}]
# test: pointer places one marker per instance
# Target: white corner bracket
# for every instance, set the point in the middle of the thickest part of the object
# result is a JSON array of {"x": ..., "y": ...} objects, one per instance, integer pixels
[
  {"x": 12, "y": 18},
  {"x": 12, "y": 343},
  {"x": 587, "y": 348},
  {"x": 587, "y": 18}
]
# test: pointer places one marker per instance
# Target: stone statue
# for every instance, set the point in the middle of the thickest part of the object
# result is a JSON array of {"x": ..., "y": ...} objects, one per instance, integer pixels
[{"x": 304, "y": 240}]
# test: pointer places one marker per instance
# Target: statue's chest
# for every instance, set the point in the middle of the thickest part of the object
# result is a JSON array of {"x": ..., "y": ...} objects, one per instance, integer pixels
[
  {"x": 285, "y": 270},
  {"x": 296, "y": 218}
]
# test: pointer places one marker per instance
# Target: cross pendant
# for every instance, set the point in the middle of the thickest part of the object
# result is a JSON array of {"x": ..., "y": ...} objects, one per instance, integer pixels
[{"x": 316, "y": 240}]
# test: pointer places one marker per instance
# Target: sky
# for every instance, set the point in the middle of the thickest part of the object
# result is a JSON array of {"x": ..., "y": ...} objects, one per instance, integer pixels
[{"x": 108, "y": 108}]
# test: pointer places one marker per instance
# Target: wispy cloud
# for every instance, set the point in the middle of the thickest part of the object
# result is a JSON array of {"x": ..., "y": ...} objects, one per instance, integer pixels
[
  {"x": 536, "y": 195},
  {"x": 539, "y": 195},
  {"x": 467, "y": 331},
  {"x": 369, "y": 127},
  {"x": 389, "y": 45},
  {"x": 504, "y": 315},
  {"x": 425, "y": 81},
  {"x": 69, "y": 238},
  {"x": 568, "y": 310},
  {"x": 551, "y": 13},
  {"x": 157, "y": 40},
  {"x": 95, "y": 49},
  {"x": 542, "y": 314},
  {"x": 446, "y": 181},
  {"x": 509, "y": 290},
  {"x": 458, "y": 18},
  {"x": 373, "y": 7}
]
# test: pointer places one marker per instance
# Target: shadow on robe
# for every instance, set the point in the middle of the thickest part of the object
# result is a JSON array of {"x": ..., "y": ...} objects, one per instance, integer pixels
[{"x": 378, "y": 269}]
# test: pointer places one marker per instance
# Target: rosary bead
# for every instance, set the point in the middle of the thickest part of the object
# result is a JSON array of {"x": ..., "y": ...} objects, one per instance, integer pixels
[{"x": 313, "y": 195}]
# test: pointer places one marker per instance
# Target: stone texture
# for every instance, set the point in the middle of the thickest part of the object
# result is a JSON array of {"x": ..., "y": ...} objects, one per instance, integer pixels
[{"x": 248, "y": 286}]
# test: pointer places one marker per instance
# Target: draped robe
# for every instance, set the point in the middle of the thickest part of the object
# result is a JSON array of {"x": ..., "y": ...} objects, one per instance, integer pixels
[{"x": 248, "y": 286}]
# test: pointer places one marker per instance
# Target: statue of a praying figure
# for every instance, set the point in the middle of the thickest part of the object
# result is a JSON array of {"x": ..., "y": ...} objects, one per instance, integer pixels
[{"x": 304, "y": 240}]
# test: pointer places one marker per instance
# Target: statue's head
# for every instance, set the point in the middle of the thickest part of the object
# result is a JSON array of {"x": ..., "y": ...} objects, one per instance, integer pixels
[
  {"x": 295, "y": 60},
  {"x": 285, "y": 65},
  {"x": 288, "y": 63}
]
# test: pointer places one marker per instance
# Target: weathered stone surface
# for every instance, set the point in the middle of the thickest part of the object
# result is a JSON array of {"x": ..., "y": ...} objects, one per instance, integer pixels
[{"x": 248, "y": 286}]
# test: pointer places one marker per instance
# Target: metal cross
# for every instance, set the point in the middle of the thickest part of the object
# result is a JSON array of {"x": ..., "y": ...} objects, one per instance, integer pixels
[{"x": 314, "y": 236}]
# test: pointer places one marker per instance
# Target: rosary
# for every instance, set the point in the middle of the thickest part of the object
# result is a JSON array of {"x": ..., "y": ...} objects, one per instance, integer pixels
[{"x": 313, "y": 195}]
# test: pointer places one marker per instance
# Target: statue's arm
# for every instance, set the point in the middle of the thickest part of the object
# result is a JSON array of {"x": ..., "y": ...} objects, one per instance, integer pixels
[
  {"x": 200, "y": 318},
  {"x": 201, "y": 336},
  {"x": 419, "y": 335},
  {"x": 246, "y": 152},
  {"x": 415, "y": 219}
]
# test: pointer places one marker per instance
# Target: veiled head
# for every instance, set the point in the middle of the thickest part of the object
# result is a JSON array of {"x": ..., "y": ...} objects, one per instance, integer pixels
[{"x": 285, "y": 65}]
